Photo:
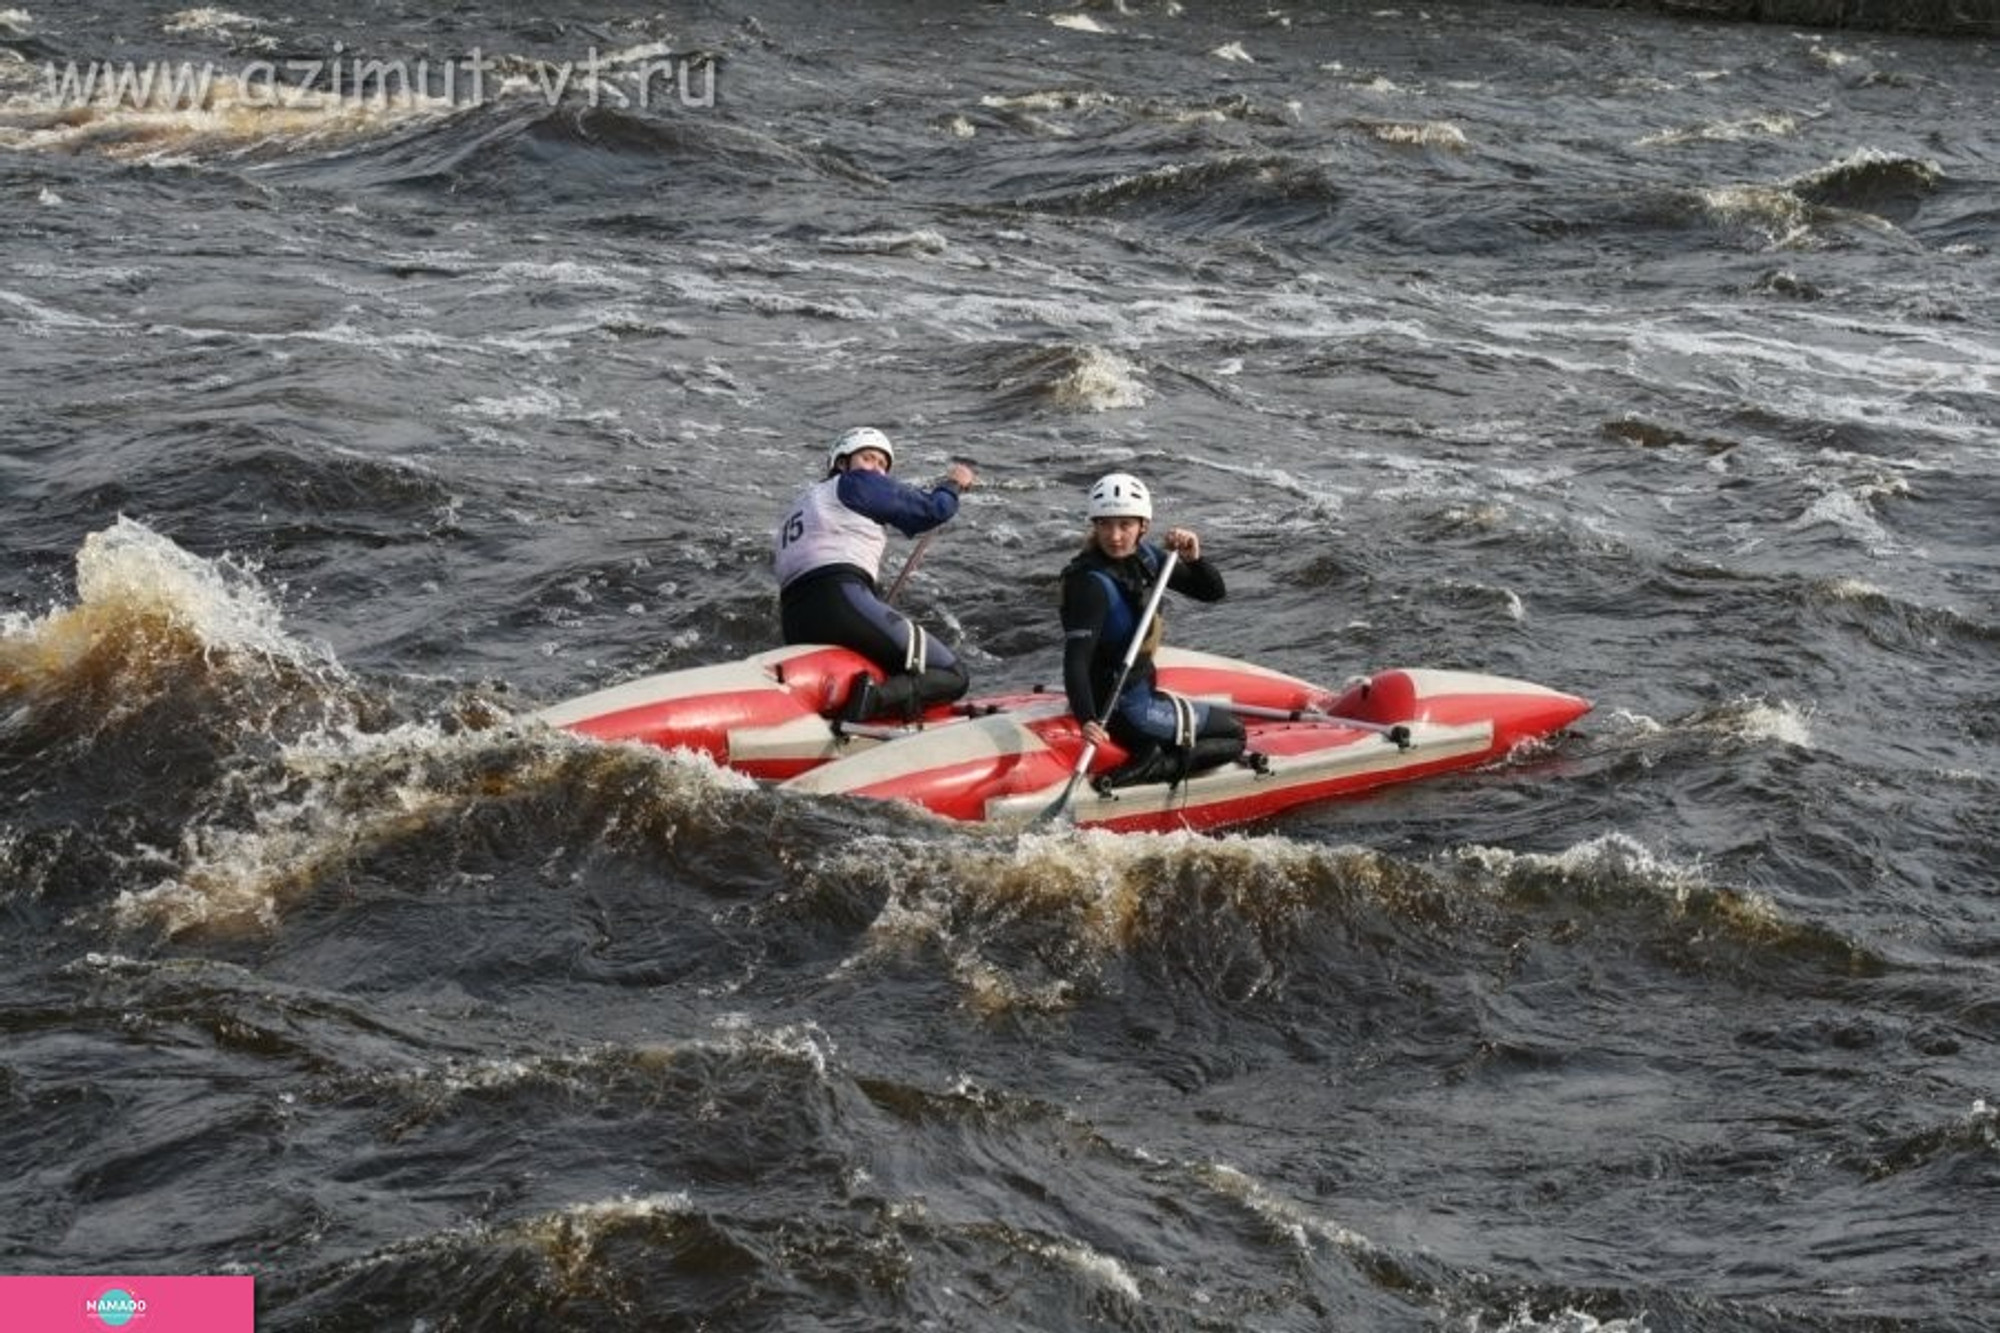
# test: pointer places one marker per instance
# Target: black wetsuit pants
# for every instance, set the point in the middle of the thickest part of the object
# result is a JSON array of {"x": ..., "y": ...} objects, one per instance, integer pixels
[{"x": 840, "y": 607}]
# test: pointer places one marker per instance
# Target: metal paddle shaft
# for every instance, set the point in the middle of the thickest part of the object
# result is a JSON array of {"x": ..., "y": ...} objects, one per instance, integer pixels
[
  {"x": 916, "y": 555},
  {"x": 1061, "y": 804},
  {"x": 1398, "y": 733},
  {"x": 923, "y": 544}
]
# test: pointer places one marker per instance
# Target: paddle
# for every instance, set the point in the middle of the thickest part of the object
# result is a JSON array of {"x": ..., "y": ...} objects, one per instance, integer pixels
[
  {"x": 1061, "y": 804},
  {"x": 923, "y": 544},
  {"x": 1398, "y": 733},
  {"x": 910, "y": 565}
]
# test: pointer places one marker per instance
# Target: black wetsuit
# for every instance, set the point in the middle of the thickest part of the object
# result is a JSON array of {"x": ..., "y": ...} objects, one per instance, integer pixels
[{"x": 838, "y": 604}]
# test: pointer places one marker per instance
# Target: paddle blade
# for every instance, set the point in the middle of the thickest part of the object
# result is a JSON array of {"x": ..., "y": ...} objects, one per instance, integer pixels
[{"x": 1057, "y": 810}]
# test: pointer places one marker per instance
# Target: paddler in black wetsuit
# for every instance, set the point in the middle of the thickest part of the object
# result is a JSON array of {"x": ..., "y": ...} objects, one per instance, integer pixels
[{"x": 1104, "y": 592}]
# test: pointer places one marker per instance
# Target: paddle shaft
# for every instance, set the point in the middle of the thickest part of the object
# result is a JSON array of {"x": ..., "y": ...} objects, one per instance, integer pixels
[
  {"x": 1117, "y": 687},
  {"x": 923, "y": 544},
  {"x": 1397, "y": 732},
  {"x": 910, "y": 565}
]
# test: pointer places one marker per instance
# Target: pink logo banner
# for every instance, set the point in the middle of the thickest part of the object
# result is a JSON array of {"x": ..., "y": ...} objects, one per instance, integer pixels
[{"x": 141, "y": 1304}]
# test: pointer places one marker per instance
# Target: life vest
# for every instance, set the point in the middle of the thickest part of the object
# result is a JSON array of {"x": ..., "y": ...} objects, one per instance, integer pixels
[
  {"x": 1128, "y": 583},
  {"x": 820, "y": 531}
]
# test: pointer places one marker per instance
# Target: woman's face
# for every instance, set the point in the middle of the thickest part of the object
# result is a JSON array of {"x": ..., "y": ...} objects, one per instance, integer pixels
[{"x": 1118, "y": 537}]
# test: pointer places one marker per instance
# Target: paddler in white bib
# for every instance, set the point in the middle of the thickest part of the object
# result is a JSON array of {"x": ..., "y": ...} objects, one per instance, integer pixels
[{"x": 829, "y": 556}]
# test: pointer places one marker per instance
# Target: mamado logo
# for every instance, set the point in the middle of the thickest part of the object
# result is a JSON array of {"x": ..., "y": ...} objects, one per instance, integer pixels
[
  {"x": 115, "y": 1308},
  {"x": 128, "y": 1302}
]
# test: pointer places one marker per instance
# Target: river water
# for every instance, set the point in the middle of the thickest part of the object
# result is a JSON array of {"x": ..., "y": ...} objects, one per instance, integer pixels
[{"x": 1650, "y": 360}]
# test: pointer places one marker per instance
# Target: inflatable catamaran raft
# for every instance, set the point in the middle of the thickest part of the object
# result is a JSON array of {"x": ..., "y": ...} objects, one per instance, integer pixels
[{"x": 1005, "y": 758}]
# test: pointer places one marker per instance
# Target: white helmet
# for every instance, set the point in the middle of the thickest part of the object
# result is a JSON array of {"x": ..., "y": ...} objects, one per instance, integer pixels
[
  {"x": 854, "y": 441},
  {"x": 1119, "y": 495}
]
